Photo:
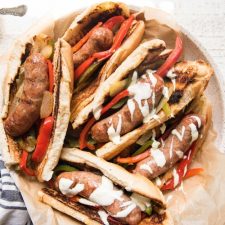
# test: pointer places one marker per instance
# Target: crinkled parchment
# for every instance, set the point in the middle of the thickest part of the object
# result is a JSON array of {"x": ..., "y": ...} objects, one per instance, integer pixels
[{"x": 199, "y": 200}]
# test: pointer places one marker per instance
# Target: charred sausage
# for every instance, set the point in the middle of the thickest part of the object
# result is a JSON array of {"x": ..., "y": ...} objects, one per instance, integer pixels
[
  {"x": 100, "y": 40},
  {"x": 91, "y": 182},
  {"x": 173, "y": 148},
  {"x": 27, "y": 111},
  {"x": 129, "y": 121}
]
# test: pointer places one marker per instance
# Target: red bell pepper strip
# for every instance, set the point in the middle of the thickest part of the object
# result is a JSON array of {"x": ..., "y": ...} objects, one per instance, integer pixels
[
  {"x": 193, "y": 172},
  {"x": 121, "y": 34},
  {"x": 81, "y": 68},
  {"x": 23, "y": 164},
  {"x": 181, "y": 170},
  {"x": 115, "y": 20},
  {"x": 43, "y": 139},
  {"x": 84, "y": 133},
  {"x": 50, "y": 75},
  {"x": 171, "y": 60},
  {"x": 82, "y": 41},
  {"x": 134, "y": 159}
]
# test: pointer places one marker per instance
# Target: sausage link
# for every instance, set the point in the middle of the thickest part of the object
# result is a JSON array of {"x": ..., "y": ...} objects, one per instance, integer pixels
[
  {"x": 100, "y": 40},
  {"x": 173, "y": 148},
  {"x": 27, "y": 111},
  {"x": 99, "y": 130},
  {"x": 92, "y": 181}
]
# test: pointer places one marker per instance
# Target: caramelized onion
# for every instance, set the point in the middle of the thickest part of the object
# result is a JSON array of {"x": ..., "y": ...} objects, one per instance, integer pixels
[{"x": 47, "y": 105}]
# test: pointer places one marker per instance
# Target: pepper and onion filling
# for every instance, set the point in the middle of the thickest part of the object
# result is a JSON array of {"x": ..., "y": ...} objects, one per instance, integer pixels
[
  {"x": 98, "y": 45},
  {"x": 34, "y": 142},
  {"x": 121, "y": 93}
]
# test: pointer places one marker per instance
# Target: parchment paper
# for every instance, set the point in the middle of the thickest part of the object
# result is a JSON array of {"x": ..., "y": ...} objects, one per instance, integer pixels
[{"x": 199, "y": 200}]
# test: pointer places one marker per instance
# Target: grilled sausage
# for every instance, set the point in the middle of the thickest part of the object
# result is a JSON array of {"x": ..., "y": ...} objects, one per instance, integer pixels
[
  {"x": 173, "y": 148},
  {"x": 100, "y": 40},
  {"x": 129, "y": 122},
  {"x": 91, "y": 182},
  {"x": 27, "y": 110}
]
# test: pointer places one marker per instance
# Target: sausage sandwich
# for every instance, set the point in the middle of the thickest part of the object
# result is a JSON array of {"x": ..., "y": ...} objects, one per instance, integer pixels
[
  {"x": 101, "y": 38},
  {"x": 36, "y": 109},
  {"x": 95, "y": 191}
]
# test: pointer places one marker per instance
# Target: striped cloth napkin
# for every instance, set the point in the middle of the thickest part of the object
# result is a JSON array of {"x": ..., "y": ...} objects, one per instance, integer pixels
[{"x": 12, "y": 208}]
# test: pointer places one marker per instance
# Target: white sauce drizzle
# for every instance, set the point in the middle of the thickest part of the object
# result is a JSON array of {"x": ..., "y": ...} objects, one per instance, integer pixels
[
  {"x": 172, "y": 76},
  {"x": 158, "y": 181},
  {"x": 171, "y": 148},
  {"x": 131, "y": 107},
  {"x": 126, "y": 211},
  {"x": 198, "y": 120},
  {"x": 194, "y": 132},
  {"x": 166, "y": 92},
  {"x": 179, "y": 135},
  {"x": 159, "y": 157},
  {"x": 140, "y": 201},
  {"x": 141, "y": 91},
  {"x": 86, "y": 202},
  {"x": 180, "y": 154},
  {"x": 163, "y": 128},
  {"x": 146, "y": 167},
  {"x": 155, "y": 144},
  {"x": 105, "y": 194},
  {"x": 114, "y": 135},
  {"x": 152, "y": 78},
  {"x": 176, "y": 177},
  {"x": 65, "y": 184},
  {"x": 97, "y": 112},
  {"x": 134, "y": 78},
  {"x": 103, "y": 215}
]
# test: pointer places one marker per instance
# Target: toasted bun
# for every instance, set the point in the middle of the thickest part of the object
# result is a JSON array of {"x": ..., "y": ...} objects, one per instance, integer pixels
[
  {"x": 63, "y": 80},
  {"x": 91, "y": 16},
  {"x": 202, "y": 73},
  {"x": 131, "y": 182},
  {"x": 61, "y": 110},
  {"x": 82, "y": 102},
  {"x": 78, "y": 212},
  {"x": 64, "y": 208}
]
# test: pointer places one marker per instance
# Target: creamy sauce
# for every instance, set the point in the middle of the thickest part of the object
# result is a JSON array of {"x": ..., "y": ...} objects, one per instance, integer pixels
[
  {"x": 152, "y": 78},
  {"x": 180, "y": 154},
  {"x": 176, "y": 177},
  {"x": 125, "y": 212},
  {"x": 163, "y": 128},
  {"x": 172, "y": 76},
  {"x": 179, "y": 135},
  {"x": 146, "y": 167},
  {"x": 114, "y": 134},
  {"x": 155, "y": 144},
  {"x": 140, "y": 201},
  {"x": 134, "y": 78},
  {"x": 158, "y": 181},
  {"x": 194, "y": 132},
  {"x": 103, "y": 215},
  {"x": 159, "y": 157},
  {"x": 131, "y": 107},
  {"x": 86, "y": 202},
  {"x": 171, "y": 148},
  {"x": 65, "y": 184},
  {"x": 105, "y": 194},
  {"x": 141, "y": 91},
  {"x": 166, "y": 92},
  {"x": 198, "y": 120},
  {"x": 97, "y": 112}
]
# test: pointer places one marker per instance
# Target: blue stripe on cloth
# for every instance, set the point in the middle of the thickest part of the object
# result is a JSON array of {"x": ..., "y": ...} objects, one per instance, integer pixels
[{"x": 12, "y": 207}]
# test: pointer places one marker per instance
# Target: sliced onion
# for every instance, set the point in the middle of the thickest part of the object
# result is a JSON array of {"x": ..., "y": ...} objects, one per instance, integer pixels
[
  {"x": 47, "y": 105},
  {"x": 47, "y": 51}
]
